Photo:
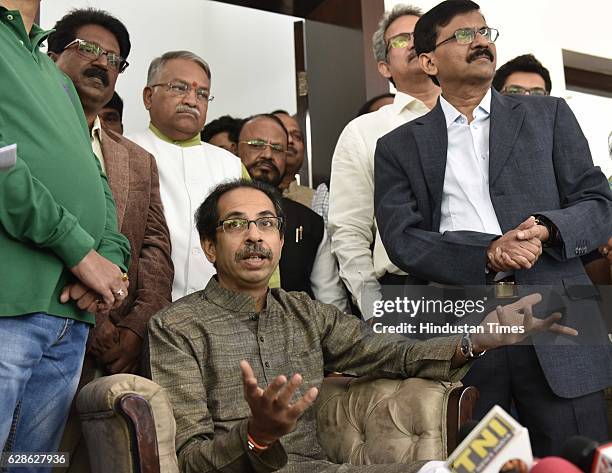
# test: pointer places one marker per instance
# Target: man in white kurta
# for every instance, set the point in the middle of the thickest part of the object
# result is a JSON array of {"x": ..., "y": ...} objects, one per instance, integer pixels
[{"x": 177, "y": 96}]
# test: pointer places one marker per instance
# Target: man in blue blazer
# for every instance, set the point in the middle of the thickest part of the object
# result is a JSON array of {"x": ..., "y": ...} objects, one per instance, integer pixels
[{"x": 488, "y": 188}]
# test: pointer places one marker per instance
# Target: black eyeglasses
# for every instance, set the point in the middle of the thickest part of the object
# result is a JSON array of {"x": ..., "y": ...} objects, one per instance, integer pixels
[
  {"x": 467, "y": 35},
  {"x": 241, "y": 225},
  {"x": 93, "y": 51},
  {"x": 399, "y": 41},
  {"x": 520, "y": 90}
]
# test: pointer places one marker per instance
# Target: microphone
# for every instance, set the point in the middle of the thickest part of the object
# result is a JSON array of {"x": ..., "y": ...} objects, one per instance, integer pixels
[
  {"x": 554, "y": 465},
  {"x": 497, "y": 443},
  {"x": 588, "y": 455}
]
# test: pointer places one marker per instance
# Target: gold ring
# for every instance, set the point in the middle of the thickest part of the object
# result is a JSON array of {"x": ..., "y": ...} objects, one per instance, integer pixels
[{"x": 124, "y": 277}]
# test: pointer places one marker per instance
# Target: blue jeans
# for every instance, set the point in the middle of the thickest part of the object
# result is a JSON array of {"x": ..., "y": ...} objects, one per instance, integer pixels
[{"x": 40, "y": 364}]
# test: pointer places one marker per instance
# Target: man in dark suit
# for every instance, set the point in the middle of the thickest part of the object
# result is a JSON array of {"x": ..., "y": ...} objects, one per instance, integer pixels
[
  {"x": 486, "y": 188},
  {"x": 93, "y": 64},
  {"x": 307, "y": 263}
]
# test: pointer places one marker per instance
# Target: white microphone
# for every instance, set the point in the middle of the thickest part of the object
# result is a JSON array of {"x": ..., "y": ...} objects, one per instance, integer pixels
[{"x": 497, "y": 439}]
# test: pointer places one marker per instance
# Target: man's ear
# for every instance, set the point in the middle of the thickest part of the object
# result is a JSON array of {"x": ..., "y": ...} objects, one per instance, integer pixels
[
  {"x": 210, "y": 250},
  {"x": 383, "y": 69},
  {"x": 428, "y": 64},
  {"x": 52, "y": 55},
  {"x": 147, "y": 92}
]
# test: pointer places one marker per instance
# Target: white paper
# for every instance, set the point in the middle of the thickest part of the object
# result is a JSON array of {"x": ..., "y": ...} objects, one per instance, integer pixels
[{"x": 8, "y": 156}]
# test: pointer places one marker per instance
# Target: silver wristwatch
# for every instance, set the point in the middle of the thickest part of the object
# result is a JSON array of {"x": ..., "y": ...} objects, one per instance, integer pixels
[{"x": 467, "y": 348}]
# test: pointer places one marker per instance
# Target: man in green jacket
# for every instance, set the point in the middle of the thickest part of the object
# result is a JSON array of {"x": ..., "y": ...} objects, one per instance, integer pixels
[{"x": 61, "y": 255}]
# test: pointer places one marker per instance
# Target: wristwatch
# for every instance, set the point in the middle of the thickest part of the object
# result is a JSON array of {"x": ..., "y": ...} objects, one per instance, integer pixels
[
  {"x": 467, "y": 348},
  {"x": 553, "y": 233}
]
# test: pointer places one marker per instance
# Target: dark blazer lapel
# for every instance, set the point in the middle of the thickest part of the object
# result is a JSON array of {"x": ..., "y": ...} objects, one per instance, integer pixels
[
  {"x": 117, "y": 164},
  {"x": 506, "y": 119},
  {"x": 431, "y": 136}
]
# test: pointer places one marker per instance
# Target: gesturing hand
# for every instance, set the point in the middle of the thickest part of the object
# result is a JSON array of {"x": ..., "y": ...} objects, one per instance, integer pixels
[
  {"x": 519, "y": 314},
  {"x": 272, "y": 414}
]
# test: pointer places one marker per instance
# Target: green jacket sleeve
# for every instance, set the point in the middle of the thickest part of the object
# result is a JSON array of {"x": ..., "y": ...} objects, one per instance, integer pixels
[{"x": 29, "y": 213}]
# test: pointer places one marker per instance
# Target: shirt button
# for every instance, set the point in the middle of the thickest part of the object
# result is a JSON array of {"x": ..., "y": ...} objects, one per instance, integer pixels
[
  {"x": 195, "y": 251},
  {"x": 254, "y": 317},
  {"x": 266, "y": 364},
  {"x": 261, "y": 339},
  {"x": 9, "y": 17}
]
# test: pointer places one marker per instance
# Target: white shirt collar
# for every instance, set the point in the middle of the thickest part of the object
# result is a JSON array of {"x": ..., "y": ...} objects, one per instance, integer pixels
[
  {"x": 451, "y": 114},
  {"x": 403, "y": 101},
  {"x": 96, "y": 129}
]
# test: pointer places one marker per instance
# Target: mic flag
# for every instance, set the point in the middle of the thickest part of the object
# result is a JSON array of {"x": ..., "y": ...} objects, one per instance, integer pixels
[{"x": 496, "y": 439}]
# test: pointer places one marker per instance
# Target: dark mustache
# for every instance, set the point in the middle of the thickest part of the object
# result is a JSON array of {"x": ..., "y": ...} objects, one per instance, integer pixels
[
  {"x": 99, "y": 73},
  {"x": 480, "y": 53},
  {"x": 269, "y": 162},
  {"x": 250, "y": 249}
]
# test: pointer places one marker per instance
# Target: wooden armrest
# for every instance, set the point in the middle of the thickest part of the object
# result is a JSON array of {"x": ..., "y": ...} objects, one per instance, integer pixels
[{"x": 139, "y": 417}]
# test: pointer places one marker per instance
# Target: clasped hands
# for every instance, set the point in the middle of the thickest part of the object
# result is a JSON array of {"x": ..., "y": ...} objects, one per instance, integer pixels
[
  {"x": 101, "y": 285},
  {"x": 519, "y": 248}
]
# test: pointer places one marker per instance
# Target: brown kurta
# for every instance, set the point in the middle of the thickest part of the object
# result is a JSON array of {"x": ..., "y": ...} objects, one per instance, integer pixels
[{"x": 197, "y": 343}]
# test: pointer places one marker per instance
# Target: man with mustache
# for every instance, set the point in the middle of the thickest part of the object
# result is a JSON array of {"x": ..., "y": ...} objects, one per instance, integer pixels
[
  {"x": 295, "y": 158},
  {"x": 364, "y": 265},
  {"x": 92, "y": 47},
  {"x": 58, "y": 237},
  {"x": 242, "y": 363},
  {"x": 80, "y": 46},
  {"x": 470, "y": 193},
  {"x": 177, "y": 96},
  {"x": 307, "y": 263}
]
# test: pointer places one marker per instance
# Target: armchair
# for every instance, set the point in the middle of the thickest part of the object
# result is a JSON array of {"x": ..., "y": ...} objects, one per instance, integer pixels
[{"x": 128, "y": 424}]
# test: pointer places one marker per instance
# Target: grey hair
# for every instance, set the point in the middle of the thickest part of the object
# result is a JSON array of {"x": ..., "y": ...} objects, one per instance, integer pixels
[
  {"x": 157, "y": 64},
  {"x": 379, "y": 47}
]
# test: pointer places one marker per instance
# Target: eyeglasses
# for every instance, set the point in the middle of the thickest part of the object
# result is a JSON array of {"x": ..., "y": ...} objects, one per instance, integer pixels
[
  {"x": 241, "y": 225},
  {"x": 260, "y": 145},
  {"x": 517, "y": 89},
  {"x": 181, "y": 89},
  {"x": 398, "y": 41},
  {"x": 467, "y": 35},
  {"x": 93, "y": 51}
]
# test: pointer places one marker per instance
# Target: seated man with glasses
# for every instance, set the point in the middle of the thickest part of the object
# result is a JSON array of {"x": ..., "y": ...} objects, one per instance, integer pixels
[
  {"x": 242, "y": 363},
  {"x": 177, "y": 95},
  {"x": 523, "y": 75},
  {"x": 470, "y": 193},
  {"x": 307, "y": 263}
]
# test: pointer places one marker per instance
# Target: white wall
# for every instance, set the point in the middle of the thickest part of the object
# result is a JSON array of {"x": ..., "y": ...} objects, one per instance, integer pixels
[
  {"x": 250, "y": 52},
  {"x": 544, "y": 28}
]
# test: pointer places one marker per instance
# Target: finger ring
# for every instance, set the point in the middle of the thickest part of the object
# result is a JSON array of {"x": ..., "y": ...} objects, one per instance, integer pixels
[
  {"x": 120, "y": 292},
  {"x": 124, "y": 277},
  {"x": 605, "y": 251}
]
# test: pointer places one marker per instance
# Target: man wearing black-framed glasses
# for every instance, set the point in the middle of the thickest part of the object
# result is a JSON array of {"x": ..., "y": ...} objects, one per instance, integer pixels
[
  {"x": 497, "y": 190},
  {"x": 523, "y": 75}
]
